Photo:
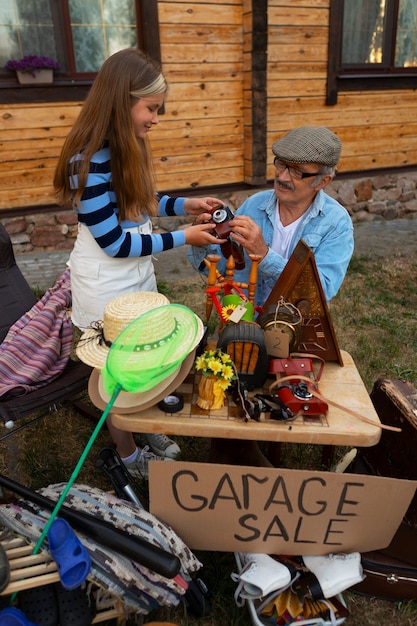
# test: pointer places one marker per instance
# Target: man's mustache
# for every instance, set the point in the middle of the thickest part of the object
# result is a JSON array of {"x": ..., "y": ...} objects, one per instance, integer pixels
[{"x": 285, "y": 184}]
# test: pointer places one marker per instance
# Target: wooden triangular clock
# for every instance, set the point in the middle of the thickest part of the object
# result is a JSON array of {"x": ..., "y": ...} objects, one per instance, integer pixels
[{"x": 300, "y": 285}]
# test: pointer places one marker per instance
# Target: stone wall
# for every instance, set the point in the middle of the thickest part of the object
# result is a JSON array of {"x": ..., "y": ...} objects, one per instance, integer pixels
[
  {"x": 383, "y": 197},
  {"x": 43, "y": 232}
]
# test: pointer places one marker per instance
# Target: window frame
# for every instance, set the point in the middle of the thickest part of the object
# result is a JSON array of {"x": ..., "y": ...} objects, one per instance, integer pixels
[
  {"x": 70, "y": 89},
  {"x": 361, "y": 78}
]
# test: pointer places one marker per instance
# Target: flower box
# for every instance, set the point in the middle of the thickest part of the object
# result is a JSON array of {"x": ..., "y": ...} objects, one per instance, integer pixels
[
  {"x": 39, "y": 76},
  {"x": 33, "y": 69}
]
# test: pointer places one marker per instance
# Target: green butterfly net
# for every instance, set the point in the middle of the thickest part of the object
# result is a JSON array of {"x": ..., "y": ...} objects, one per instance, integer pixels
[
  {"x": 150, "y": 349},
  {"x": 146, "y": 352}
]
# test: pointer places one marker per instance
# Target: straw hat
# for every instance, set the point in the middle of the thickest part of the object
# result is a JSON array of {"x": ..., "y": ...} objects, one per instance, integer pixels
[
  {"x": 165, "y": 369},
  {"x": 127, "y": 403},
  {"x": 151, "y": 348},
  {"x": 94, "y": 345}
]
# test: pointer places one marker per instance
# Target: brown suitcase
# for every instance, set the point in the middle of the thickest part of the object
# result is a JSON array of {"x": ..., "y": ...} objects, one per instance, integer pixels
[
  {"x": 391, "y": 573},
  {"x": 394, "y": 456},
  {"x": 387, "y": 578}
]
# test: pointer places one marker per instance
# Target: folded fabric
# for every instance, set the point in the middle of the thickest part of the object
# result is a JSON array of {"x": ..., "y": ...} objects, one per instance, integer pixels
[
  {"x": 69, "y": 554},
  {"x": 139, "y": 588},
  {"x": 37, "y": 347}
]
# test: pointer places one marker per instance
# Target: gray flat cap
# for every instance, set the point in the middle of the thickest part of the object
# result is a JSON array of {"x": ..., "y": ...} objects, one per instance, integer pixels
[{"x": 309, "y": 144}]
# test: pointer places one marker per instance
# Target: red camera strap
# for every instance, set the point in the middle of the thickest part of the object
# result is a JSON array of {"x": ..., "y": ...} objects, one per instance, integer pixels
[
  {"x": 297, "y": 364},
  {"x": 318, "y": 395}
]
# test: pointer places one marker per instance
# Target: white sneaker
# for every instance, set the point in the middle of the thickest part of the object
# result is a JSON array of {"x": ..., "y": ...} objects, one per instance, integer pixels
[
  {"x": 161, "y": 445},
  {"x": 335, "y": 572},
  {"x": 260, "y": 575},
  {"x": 139, "y": 467}
]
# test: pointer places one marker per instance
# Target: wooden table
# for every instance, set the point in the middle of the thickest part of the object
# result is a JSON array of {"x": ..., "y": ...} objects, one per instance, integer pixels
[{"x": 340, "y": 384}]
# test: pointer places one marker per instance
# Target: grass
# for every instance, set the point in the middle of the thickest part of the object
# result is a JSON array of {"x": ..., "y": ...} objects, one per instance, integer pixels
[{"x": 374, "y": 315}]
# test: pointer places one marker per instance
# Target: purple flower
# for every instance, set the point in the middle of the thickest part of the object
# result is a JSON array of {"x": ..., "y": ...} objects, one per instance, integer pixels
[{"x": 31, "y": 64}]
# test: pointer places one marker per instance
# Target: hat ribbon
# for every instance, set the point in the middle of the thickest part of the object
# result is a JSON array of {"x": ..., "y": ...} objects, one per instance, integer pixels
[{"x": 98, "y": 337}]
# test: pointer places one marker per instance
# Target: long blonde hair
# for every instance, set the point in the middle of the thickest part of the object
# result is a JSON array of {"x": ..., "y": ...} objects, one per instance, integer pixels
[{"x": 106, "y": 117}]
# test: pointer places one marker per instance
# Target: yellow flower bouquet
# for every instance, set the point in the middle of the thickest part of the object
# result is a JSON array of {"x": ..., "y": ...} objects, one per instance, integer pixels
[{"x": 218, "y": 372}]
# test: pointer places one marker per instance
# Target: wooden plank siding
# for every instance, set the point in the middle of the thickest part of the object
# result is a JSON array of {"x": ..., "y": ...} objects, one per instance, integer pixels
[
  {"x": 199, "y": 141},
  {"x": 31, "y": 138},
  {"x": 377, "y": 128},
  {"x": 241, "y": 74},
  {"x": 201, "y": 50}
]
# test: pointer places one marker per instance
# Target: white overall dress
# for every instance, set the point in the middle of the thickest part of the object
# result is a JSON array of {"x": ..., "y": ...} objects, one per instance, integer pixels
[{"x": 97, "y": 278}]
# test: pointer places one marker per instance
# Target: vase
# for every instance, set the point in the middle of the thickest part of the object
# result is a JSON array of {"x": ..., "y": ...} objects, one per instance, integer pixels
[
  {"x": 210, "y": 394},
  {"x": 41, "y": 77}
]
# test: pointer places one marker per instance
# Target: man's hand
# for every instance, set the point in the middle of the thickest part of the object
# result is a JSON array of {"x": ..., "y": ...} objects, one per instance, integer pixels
[{"x": 249, "y": 235}]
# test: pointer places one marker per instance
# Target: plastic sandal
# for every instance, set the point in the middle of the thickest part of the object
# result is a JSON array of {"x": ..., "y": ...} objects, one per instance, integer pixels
[
  {"x": 4, "y": 569},
  {"x": 76, "y": 608},
  {"x": 39, "y": 605},
  {"x": 14, "y": 617},
  {"x": 68, "y": 552}
]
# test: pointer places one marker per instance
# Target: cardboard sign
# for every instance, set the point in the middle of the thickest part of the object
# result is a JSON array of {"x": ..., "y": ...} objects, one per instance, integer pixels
[{"x": 252, "y": 509}]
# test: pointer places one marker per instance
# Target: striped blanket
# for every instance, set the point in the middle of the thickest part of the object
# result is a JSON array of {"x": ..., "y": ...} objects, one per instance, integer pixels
[
  {"x": 37, "y": 347},
  {"x": 140, "y": 588}
]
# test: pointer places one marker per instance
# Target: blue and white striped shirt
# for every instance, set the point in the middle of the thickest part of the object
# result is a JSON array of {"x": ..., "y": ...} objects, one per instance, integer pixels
[{"x": 98, "y": 211}]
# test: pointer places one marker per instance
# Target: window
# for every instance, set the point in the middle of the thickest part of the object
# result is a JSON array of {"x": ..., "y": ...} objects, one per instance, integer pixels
[
  {"x": 79, "y": 34},
  {"x": 372, "y": 45}
]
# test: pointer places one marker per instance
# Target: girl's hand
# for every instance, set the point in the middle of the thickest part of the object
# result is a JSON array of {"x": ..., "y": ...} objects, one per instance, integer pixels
[
  {"x": 195, "y": 206},
  {"x": 201, "y": 235},
  {"x": 203, "y": 218}
]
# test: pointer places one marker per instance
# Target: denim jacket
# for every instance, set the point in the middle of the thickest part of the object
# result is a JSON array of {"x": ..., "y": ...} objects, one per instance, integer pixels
[{"x": 325, "y": 227}]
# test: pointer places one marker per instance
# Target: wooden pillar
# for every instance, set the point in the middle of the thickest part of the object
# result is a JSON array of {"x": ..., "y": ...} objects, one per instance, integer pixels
[{"x": 255, "y": 42}]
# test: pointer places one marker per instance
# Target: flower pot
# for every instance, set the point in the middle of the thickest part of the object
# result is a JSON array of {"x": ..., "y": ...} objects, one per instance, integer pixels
[
  {"x": 41, "y": 77},
  {"x": 210, "y": 394}
]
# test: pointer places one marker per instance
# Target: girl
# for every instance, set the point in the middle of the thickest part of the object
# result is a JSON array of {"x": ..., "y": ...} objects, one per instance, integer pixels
[{"x": 105, "y": 173}]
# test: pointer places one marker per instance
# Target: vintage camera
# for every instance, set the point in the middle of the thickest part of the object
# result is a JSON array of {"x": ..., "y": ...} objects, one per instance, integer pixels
[
  {"x": 221, "y": 217},
  {"x": 299, "y": 399},
  {"x": 292, "y": 400}
]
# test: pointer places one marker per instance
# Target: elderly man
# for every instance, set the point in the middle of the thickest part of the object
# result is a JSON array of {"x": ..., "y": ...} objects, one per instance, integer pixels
[{"x": 270, "y": 223}]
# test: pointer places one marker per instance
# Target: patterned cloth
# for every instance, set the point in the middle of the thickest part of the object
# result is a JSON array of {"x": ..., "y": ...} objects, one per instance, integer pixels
[
  {"x": 139, "y": 588},
  {"x": 37, "y": 347}
]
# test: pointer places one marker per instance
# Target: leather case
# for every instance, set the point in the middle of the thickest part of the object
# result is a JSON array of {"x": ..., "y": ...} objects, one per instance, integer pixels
[
  {"x": 391, "y": 573},
  {"x": 387, "y": 578},
  {"x": 394, "y": 456}
]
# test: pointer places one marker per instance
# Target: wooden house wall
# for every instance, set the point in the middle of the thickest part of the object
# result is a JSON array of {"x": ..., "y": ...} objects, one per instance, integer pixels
[
  {"x": 211, "y": 132},
  {"x": 198, "y": 141},
  {"x": 378, "y": 129}
]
